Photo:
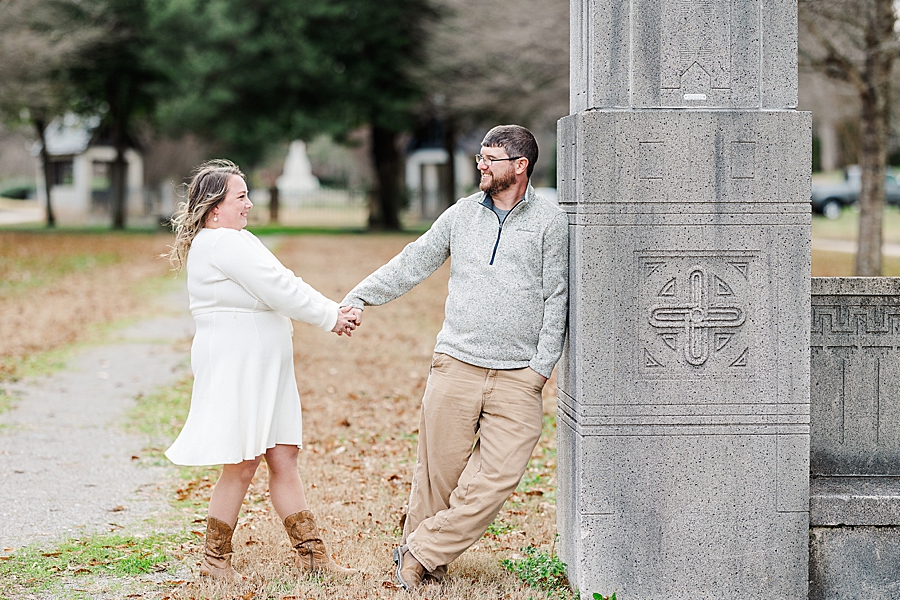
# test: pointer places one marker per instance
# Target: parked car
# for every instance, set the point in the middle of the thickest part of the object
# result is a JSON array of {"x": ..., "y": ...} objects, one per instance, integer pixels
[{"x": 831, "y": 197}]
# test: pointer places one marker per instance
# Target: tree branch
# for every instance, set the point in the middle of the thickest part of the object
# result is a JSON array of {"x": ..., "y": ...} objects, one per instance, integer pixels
[{"x": 835, "y": 64}]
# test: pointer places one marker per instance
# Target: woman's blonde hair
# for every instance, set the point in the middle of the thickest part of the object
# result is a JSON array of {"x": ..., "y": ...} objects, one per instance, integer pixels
[{"x": 206, "y": 190}]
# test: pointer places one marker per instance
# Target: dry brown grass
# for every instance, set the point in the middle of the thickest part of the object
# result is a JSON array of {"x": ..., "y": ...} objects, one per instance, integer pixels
[
  {"x": 56, "y": 288},
  {"x": 360, "y": 397},
  {"x": 842, "y": 264},
  {"x": 361, "y": 401}
]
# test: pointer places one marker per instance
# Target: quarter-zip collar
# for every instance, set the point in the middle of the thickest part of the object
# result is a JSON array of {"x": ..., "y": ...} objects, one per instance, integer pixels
[{"x": 488, "y": 203}]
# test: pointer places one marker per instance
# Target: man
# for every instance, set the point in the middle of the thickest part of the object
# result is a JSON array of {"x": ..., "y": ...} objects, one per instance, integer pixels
[{"x": 503, "y": 332}]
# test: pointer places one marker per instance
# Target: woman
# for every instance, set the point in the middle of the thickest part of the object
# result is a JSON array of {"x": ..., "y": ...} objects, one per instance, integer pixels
[{"x": 244, "y": 404}]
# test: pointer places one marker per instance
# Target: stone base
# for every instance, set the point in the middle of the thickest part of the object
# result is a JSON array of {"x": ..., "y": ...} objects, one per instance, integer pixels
[{"x": 854, "y": 542}]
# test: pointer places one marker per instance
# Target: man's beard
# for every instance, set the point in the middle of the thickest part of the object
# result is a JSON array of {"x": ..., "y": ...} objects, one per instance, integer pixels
[{"x": 498, "y": 184}]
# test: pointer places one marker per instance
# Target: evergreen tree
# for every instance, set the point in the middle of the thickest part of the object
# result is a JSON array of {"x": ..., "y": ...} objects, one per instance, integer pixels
[
  {"x": 251, "y": 74},
  {"x": 116, "y": 79}
]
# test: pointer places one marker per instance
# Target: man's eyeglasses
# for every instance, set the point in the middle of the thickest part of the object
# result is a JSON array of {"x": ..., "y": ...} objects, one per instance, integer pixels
[{"x": 479, "y": 158}]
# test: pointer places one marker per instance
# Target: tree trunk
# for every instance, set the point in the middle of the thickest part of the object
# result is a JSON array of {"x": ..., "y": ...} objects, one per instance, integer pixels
[
  {"x": 40, "y": 126},
  {"x": 273, "y": 204},
  {"x": 448, "y": 194},
  {"x": 118, "y": 176},
  {"x": 385, "y": 213},
  {"x": 874, "y": 127}
]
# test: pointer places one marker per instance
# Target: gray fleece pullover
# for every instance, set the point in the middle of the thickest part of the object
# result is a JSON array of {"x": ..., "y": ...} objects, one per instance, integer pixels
[{"x": 508, "y": 292}]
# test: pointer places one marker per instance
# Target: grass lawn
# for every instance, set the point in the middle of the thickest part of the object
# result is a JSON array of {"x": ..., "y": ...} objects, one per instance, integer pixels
[
  {"x": 361, "y": 403},
  {"x": 361, "y": 409},
  {"x": 847, "y": 226}
]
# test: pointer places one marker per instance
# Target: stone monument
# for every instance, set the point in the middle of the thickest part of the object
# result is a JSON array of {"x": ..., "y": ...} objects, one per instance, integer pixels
[
  {"x": 297, "y": 178},
  {"x": 855, "y": 439},
  {"x": 684, "y": 389}
]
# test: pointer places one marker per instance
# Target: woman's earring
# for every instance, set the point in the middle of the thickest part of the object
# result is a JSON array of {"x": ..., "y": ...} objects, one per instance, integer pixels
[{"x": 215, "y": 217}]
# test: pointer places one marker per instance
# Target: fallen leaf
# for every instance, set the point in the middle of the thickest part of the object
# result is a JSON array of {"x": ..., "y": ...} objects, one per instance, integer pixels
[{"x": 118, "y": 508}]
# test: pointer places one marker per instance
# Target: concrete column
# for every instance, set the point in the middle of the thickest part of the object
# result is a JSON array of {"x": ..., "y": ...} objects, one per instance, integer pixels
[{"x": 684, "y": 389}]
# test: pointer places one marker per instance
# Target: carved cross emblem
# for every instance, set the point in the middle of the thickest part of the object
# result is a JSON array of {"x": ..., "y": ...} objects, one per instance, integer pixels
[{"x": 698, "y": 318}]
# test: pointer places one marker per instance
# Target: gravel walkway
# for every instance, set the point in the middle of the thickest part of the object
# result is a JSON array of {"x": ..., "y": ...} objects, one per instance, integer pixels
[{"x": 66, "y": 463}]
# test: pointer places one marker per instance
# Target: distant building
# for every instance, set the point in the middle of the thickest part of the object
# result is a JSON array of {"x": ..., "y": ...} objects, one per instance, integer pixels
[
  {"x": 428, "y": 172},
  {"x": 80, "y": 163}
]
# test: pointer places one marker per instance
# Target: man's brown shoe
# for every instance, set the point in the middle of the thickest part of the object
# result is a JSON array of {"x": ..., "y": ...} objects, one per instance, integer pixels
[{"x": 410, "y": 571}]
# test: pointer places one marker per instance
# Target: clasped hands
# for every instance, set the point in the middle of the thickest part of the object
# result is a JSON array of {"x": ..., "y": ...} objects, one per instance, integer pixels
[{"x": 349, "y": 318}]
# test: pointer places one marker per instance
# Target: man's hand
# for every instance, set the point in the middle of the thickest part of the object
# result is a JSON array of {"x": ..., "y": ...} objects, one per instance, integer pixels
[
  {"x": 348, "y": 320},
  {"x": 356, "y": 312}
]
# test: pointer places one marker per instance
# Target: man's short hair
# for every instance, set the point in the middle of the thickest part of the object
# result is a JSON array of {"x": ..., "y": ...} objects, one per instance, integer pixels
[{"x": 516, "y": 140}]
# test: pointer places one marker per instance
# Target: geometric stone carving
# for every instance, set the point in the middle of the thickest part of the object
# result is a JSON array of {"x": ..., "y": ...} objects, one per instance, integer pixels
[
  {"x": 696, "y": 46},
  {"x": 697, "y": 318},
  {"x": 683, "y": 53},
  {"x": 651, "y": 160},
  {"x": 697, "y": 312},
  {"x": 855, "y": 438},
  {"x": 855, "y": 395},
  {"x": 743, "y": 160}
]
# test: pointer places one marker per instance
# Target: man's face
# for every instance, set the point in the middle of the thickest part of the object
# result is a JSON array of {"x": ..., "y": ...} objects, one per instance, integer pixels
[{"x": 499, "y": 175}]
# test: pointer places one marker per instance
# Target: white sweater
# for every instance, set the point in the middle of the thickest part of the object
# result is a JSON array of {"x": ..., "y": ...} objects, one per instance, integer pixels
[{"x": 230, "y": 270}]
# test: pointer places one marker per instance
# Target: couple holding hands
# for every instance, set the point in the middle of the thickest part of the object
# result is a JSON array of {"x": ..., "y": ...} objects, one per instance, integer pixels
[{"x": 503, "y": 332}]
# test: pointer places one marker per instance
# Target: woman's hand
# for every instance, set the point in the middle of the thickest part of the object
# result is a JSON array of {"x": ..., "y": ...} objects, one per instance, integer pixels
[{"x": 349, "y": 319}]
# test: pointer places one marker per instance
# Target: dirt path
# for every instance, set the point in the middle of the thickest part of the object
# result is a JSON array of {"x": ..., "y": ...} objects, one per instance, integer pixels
[{"x": 65, "y": 461}]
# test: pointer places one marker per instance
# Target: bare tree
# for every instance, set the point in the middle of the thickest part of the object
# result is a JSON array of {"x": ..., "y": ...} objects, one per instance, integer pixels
[
  {"x": 481, "y": 70},
  {"x": 857, "y": 41},
  {"x": 37, "y": 41}
]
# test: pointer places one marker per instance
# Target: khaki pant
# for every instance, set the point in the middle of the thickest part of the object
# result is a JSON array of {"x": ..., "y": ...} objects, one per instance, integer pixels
[{"x": 477, "y": 430}]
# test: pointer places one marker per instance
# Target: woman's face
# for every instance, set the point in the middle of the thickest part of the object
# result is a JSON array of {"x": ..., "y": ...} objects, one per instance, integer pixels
[{"x": 232, "y": 211}]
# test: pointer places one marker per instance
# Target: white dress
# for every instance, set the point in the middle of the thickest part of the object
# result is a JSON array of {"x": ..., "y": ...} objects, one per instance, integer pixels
[{"x": 245, "y": 397}]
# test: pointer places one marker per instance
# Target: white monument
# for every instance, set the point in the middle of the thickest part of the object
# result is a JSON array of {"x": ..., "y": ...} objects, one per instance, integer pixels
[{"x": 297, "y": 178}]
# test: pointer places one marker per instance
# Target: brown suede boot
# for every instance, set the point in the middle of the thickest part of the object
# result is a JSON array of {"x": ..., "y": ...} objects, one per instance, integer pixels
[
  {"x": 217, "y": 558},
  {"x": 311, "y": 552}
]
